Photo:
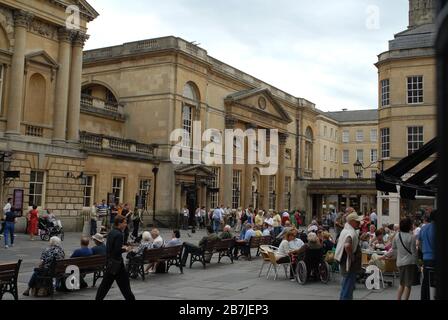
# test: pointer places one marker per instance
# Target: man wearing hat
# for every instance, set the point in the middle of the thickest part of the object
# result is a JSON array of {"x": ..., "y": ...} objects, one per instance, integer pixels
[
  {"x": 99, "y": 249},
  {"x": 348, "y": 254}
]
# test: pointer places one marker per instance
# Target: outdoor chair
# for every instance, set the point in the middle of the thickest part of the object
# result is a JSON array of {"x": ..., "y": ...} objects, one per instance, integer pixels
[{"x": 275, "y": 265}]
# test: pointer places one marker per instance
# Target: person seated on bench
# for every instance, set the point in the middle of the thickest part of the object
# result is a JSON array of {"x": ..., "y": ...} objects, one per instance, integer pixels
[
  {"x": 258, "y": 232},
  {"x": 268, "y": 230},
  {"x": 100, "y": 248},
  {"x": 244, "y": 243},
  {"x": 146, "y": 243},
  {"x": 49, "y": 255},
  {"x": 191, "y": 248},
  {"x": 226, "y": 233},
  {"x": 84, "y": 251},
  {"x": 157, "y": 240},
  {"x": 175, "y": 241}
]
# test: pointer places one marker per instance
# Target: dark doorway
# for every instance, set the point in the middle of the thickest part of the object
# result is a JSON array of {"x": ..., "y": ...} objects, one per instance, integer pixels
[{"x": 192, "y": 203}]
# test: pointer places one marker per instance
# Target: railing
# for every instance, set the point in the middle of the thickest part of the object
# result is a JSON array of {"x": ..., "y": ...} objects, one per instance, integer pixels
[
  {"x": 93, "y": 102},
  {"x": 34, "y": 131},
  {"x": 107, "y": 144}
]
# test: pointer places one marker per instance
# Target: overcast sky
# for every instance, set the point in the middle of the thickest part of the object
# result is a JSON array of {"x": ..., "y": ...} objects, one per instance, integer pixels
[{"x": 320, "y": 50}]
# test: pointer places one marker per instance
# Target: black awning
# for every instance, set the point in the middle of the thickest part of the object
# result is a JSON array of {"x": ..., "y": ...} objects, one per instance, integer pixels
[{"x": 420, "y": 182}]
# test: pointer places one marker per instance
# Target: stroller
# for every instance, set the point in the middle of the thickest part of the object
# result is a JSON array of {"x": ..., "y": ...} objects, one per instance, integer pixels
[{"x": 49, "y": 228}]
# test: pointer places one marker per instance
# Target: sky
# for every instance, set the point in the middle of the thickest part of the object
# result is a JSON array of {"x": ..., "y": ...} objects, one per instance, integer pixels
[{"x": 321, "y": 50}]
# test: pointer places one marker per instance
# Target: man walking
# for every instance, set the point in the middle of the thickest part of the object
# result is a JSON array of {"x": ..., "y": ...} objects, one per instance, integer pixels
[
  {"x": 102, "y": 211},
  {"x": 217, "y": 219},
  {"x": 348, "y": 254},
  {"x": 10, "y": 220},
  {"x": 115, "y": 270},
  {"x": 374, "y": 218}
]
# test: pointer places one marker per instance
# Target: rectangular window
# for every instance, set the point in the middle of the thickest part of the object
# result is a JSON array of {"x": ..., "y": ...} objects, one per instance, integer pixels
[
  {"x": 325, "y": 153},
  {"x": 117, "y": 189},
  {"x": 88, "y": 183},
  {"x": 236, "y": 189},
  {"x": 345, "y": 174},
  {"x": 345, "y": 156},
  {"x": 144, "y": 188},
  {"x": 385, "y": 92},
  {"x": 288, "y": 192},
  {"x": 415, "y": 89},
  {"x": 359, "y": 135},
  {"x": 331, "y": 172},
  {"x": 214, "y": 185},
  {"x": 374, "y": 135},
  {"x": 360, "y": 155},
  {"x": 332, "y": 154},
  {"x": 336, "y": 155},
  {"x": 415, "y": 139},
  {"x": 345, "y": 136},
  {"x": 385, "y": 143},
  {"x": 187, "y": 120},
  {"x": 272, "y": 195},
  {"x": 325, "y": 173},
  {"x": 373, "y": 155},
  {"x": 325, "y": 132},
  {"x": 37, "y": 188},
  {"x": 331, "y": 133},
  {"x": 2, "y": 76},
  {"x": 336, "y": 135}
]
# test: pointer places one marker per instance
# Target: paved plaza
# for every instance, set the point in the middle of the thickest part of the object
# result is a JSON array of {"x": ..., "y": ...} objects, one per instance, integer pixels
[{"x": 222, "y": 281}]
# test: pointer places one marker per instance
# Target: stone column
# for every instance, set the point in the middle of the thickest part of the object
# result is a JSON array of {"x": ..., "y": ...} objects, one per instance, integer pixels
[
  {"x": 74, "y": 102},
  {"x": 281, "y": 172},
  {"x": 62, "y": 85},
  {"x": 22, "y": 19},
  {"x": 249, "y": 171},
  {"x": 228, "y": 172}
]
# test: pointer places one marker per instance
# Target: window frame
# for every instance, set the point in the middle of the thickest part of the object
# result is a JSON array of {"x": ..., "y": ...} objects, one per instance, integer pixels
[
  {"x": 85, "y": 186},
  {"x": 345, "y": 136},
  {"x": 43, "y": 190},
  {"x": 410, "y": 93},
  {"x": 214, "y": 183},
  {"x": 372, "y": 158},
  {"x": 344, "y": 153},
  {"x": 121, "y": 197},
  {"x": 385, "y": 92},
  {"x": 385, "y": 142},
  {"x": 359, "y": 135},
  {"x": 236, "y": 193},
  {"x": 416, "y": 144}
]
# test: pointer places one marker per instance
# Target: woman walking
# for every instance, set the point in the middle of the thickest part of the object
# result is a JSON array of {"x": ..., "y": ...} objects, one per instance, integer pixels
[{"x": 33, "y": 220}]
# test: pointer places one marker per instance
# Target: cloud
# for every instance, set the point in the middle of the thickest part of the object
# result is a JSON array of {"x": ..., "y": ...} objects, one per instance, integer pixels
[{"x": 322, "y": 50}]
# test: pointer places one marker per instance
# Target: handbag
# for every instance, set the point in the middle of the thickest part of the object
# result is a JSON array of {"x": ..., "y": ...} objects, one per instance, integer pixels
[
  {"x": 113, "y": 266},
  {"x": 417, "y": 273}
]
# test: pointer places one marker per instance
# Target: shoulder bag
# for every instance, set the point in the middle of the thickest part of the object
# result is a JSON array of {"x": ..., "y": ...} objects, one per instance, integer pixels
[{"x": 417, "y": 275}]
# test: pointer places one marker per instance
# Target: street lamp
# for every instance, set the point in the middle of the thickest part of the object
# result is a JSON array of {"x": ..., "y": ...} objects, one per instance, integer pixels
[{"x": 155, "y": 170}]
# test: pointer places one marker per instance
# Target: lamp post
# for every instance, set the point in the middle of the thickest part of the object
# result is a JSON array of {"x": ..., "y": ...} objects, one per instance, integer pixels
[{"x": 155, "y": 170}]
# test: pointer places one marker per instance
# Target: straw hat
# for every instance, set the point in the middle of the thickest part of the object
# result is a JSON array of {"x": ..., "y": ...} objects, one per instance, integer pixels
[{"x": 98, "y": 237}]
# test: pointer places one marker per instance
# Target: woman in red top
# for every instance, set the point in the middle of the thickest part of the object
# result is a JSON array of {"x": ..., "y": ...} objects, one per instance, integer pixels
[{"x": 33, "y": 220}]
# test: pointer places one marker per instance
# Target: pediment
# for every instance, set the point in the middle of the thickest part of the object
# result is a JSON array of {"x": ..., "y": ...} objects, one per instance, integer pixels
[
  {"x": 42, "y": 58},
  {"x": 194, "y": 170},
  {"x": 259, "y": 101}
]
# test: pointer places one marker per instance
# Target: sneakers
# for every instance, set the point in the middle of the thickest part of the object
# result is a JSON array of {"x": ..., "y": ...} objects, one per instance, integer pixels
[{"x": 6, "y": 247}]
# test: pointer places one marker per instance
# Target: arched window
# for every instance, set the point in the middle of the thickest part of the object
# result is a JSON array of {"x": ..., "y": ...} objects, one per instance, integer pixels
[
  {"x": 36, "y": 100},
  {"x": 189, "y": 111},
  {"x": 308, "y": 149}
]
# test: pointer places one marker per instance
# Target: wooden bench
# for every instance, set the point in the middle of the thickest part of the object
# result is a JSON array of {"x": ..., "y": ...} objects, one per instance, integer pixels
[
  {"x": 8, "y": 279},
  {"x": 169, "y": 255},
  {"x": 222, "y": 247},
  {"x": 87, "y": 265},
  {"x": 254, "y": 243},
  {"x": 265, "y": 241}
]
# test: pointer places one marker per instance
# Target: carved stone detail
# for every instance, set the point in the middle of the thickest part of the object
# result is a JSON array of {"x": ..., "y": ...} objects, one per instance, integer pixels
[
  {"x": 80, "y": 39},
  {"x": 230, "y": 122},
  {"x": 23, "y": 18},
  {"x": 44, "y": 29},
  {"x": 283, "y": 138},
  {"x": 7, "y": 22},
  {"x": 65, "y": 35}
]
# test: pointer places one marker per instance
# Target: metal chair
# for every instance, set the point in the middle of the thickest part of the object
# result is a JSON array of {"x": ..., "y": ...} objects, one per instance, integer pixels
[{"x": 275, "y": 265}]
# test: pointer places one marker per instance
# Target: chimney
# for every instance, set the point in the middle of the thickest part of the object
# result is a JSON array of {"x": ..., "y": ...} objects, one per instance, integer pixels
[{"x": 421, "y": 12}]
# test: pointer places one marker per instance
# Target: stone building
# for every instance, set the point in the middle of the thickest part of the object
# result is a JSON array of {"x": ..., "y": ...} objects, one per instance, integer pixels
[
  {"x": 407, "y": 99},
  {"x": 40, "y": 72}
]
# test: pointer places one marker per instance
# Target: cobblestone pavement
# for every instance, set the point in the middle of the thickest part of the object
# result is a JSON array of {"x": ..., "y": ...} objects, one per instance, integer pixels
[{"x": 222, "y": 281}]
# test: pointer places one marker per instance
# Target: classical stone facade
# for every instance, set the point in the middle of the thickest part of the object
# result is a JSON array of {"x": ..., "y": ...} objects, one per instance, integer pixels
[
  {"x": 40, "y": 71},
  {"x": 407, "y": 99}
]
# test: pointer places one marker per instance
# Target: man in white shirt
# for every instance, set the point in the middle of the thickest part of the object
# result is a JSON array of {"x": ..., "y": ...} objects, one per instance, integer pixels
[
  {"x": 186, "y": 216},
  {"x": 6, "y": 209}
]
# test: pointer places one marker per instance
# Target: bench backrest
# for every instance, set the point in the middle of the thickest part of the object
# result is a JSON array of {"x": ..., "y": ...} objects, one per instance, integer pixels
[
  {"x": 152, "y": 255},
  {"x": 266, "y": 240},
  {"x": 210, "y": 245},
  {"x": 170, "y": 252},
  {"x": 224, "y": 244},
  {"x": 255, "y": 242},
  {"x": 84, "y": 263},
  {"x": 10, "y": 271}
]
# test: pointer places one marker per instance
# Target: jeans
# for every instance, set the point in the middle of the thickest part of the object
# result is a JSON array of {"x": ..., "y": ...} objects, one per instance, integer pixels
[
  {"x": 93, "y": 227},
  {"x": 216, "y": 225},
  {"x": 122, "y": 279},
  {"x": 426, "y": 286},
  {"x": 348, "y": 285},
  {"x": 9, "y": 233}
]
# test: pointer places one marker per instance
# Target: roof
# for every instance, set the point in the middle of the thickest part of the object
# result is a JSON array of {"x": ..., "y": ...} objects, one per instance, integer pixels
[
  {"x": 353, "y": 116},
  {"x": 420, "y": 37}
]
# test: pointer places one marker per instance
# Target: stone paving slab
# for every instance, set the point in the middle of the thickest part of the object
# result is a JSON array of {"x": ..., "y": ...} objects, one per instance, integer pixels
[{"x": 224, "y": 281}]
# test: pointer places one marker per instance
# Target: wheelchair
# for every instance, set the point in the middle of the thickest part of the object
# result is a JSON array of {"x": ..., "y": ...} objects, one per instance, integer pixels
[
  {"x": 312, "y": 265},
  {"x": 48, "y": 229}
]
